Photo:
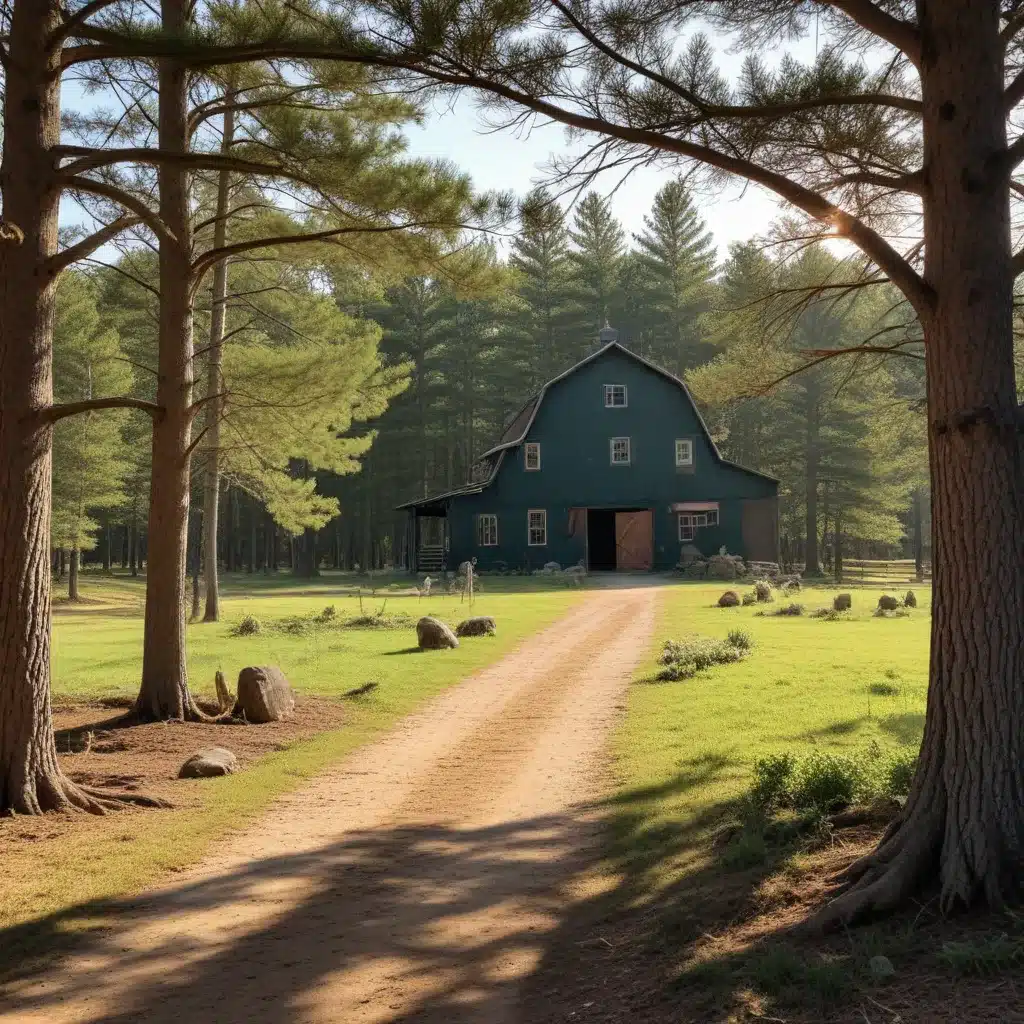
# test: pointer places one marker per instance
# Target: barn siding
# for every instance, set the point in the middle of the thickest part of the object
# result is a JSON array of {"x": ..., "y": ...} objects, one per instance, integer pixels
[{"x": 574, "y": 430}]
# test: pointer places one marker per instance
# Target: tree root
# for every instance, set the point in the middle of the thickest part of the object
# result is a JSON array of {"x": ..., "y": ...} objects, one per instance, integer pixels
[{"x": 53, "y": 791}]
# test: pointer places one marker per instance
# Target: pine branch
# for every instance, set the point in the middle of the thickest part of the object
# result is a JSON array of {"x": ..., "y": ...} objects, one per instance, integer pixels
[
  {"x": 87, "y": 246},
  {"x": 125, "y": 199},
  {"x": 78, "y": 20},
  {"x": 896, "y": 32},
  {"x": 65, "y": 409}
]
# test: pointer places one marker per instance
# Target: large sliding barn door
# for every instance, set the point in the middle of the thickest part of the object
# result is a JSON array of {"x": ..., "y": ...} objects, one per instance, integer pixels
[{"x": 634, "y": 540}]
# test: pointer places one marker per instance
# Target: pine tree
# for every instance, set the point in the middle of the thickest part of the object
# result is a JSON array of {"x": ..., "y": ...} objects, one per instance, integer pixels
[
  {"x": 598, "y": 248},
  {"x": 675, "y": 264},
  {"x": 89, "y": 461}
]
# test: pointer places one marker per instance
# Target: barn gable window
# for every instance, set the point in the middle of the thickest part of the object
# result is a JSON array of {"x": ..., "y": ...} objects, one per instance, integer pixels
[
  {"x": 684, "y": 453},
  {"x": 620, "y": 453},
  {"x": 532, "y": 456},
  {"x": 487, "y": 530},
  {"x": 537, "y": 527},
  {"x": 615, "y": 396}
]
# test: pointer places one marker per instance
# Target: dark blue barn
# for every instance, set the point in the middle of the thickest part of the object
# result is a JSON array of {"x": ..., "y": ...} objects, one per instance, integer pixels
[{"x": 610, "y": 464}]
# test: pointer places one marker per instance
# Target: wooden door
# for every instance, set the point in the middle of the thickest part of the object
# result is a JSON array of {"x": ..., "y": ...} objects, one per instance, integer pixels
[{"x": 634, "y": 540}]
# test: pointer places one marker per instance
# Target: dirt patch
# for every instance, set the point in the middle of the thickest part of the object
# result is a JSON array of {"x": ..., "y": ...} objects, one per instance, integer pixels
[{"x": 101, "y": 744}]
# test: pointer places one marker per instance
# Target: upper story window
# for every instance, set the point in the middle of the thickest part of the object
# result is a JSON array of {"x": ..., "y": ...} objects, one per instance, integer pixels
[
  {"x": 537, "y": 527},
  {"x": 615, "y": 396},
  {"x": 620, "y": 451},
  {"x": 684, "y": 452},
  {"x": 532, "y": 456},
  {"x": 487, "y": 530}
]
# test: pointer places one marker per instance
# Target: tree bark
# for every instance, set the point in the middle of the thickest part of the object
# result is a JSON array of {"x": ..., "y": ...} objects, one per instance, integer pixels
[
  {"x": 74, "y": 558},
  {"x": 917, "y": 512},
  {"x": 963, "y": 822},
  {"x": 164, "y": 692},
  {"x": 214, "y": 380},
  {"x": 30, "y": 779},
  {"x": 812, "y": 562},
  {"x": 107, "y": 540}
]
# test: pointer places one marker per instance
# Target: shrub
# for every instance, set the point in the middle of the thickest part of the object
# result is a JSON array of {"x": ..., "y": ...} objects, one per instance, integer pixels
[
  {"x": 828, "y": 613},
  {"x": 887, "y": 603},
  {"x": 772, "y": 777},
  {"x": 740, "y": 639},
  {"x": 749, "y": 599},
  {"x": 897, "y": 774},
  {"x": 790, "y": 609},
  {"x": 842, "y": 602},
  {"x": 328, "y": 613},
  {"x": 791, "y": 587},
  {"x": 763, "y": 592},
  {"x": 249, "y": 626},
  {"x": 685, "y": 658},
  {"x": 826, "y": 782},
  {"x": 910, "y": 600},
  {"x": 987, "y": 955},
  {"x": 884, "y": 690},
  {"x": 730, "y": 599}
]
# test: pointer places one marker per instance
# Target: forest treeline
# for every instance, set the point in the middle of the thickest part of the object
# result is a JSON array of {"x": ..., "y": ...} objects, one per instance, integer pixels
[{"x": 350, "y": 388}]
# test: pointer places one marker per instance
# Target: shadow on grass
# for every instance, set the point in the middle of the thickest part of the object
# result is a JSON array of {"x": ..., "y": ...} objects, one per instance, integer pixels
[
  {"x": 907, "y": 727},
  {"x": 404, "y": 650}
]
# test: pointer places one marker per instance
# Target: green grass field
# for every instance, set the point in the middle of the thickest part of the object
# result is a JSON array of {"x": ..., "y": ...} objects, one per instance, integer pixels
[{"x": 687, "y": 747}]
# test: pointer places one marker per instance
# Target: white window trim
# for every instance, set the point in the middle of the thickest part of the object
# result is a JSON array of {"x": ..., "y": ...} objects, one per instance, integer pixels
[
  {"x": 681, "y": 463},
  {"x": 481, "y": 532},
  {"x": 685, "y": 528},
  {"x": 611, "y": 451},
  {"x": 688, "y": 523},
  {"x": 530, "y": 542},
  {"x": 608, "y": 392},
  {"x": 533, "y": 446}
]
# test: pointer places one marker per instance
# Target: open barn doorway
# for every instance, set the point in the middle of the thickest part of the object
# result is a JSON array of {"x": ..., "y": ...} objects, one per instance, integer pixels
[{"x": 620, "y": 539}]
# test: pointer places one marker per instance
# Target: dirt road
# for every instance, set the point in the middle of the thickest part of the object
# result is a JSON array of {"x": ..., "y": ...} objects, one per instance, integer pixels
[{"x": 417, "y": 881}]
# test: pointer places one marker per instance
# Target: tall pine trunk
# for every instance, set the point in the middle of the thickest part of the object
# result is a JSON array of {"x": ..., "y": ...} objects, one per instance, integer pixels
[
  {"x": 963, "y": 822},
  {"x": 164, "y": 692},
  {"x": 214, "y": 381},
  {"x": 74, "y": 559},
  {"x": 30, "y": 779},
  {"x": 812, "y": 561}
]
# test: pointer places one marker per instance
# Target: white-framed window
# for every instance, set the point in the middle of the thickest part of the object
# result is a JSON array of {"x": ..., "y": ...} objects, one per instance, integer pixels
[
  {"x": 537, "y": 527},
  {"x": 615, "y": 396},
  {"x": 531, "y": 457},
  {"x": 487, "y": 530},
  {"x": 620, "y": 454},
  {"x": 690, "y": 522},
  {"x": 684, "y": 452}
]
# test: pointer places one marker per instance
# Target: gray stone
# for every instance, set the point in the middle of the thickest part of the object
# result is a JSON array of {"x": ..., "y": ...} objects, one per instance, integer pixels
[
  {"x": 433, "y": 635},
  {"x": 481, "y": 625},
  {"x": 552, "y": 567},
  {"x": 881, "y": 968},
  {"x": 264, "y": 695},
  {"x": 209, "y": 763}
]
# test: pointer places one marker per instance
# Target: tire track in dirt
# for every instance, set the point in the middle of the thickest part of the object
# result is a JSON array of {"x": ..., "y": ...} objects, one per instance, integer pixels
[{"x": 416, "y": 881}]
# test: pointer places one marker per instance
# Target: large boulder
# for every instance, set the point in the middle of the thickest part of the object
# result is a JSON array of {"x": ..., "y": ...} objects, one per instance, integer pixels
[
  {"x": 722, "y": 567},
  {"x": 730, "y": 599},
  {"x": 208, "y": 763},
  {"x": 433, "y": 635},
  {"x": 264, "y": 695},
  {"x": 481, "y": 625}
]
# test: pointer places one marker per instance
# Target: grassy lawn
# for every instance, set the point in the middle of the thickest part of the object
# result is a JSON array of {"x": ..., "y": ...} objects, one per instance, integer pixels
[
  {"x": 810, "y": 684},
  {"x": 56, "y": 884}
]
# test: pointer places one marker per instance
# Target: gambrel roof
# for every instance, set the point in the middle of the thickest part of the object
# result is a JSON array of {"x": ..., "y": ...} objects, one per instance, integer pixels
[{"x": 486, "y": 467}]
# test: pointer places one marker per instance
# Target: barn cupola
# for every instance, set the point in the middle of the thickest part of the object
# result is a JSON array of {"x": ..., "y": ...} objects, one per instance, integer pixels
[{"x": 606, "y": 335}]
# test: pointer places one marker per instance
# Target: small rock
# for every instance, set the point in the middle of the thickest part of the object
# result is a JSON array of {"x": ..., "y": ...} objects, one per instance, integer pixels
[
  {"x": 730, "y": 599},
  {"x": 842, "y": 602},
  {"x": 881, "y": 968},
  {"x": 264, "y": 695},
  {"x": 209, "y": 763},
  {"x": 434, "y": 635},
  {"x": 481, "y": 625}
]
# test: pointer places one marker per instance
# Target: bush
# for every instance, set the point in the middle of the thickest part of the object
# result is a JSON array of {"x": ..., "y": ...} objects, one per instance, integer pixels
[
  {"x": 772, "y": 777},
  {"x": 249, "y": 626},
  {"x": 685, "y": 658},
  {"x": 749, "y": 599},
  {"x": 791, "y": 587},
  {"x": 828, "y": 613},
  {"x": 790, "y": 609},
  {"x": 740, "y": 639},
  {"x": 887, "y": 603},
  {"x": 826, "y": 782},
  {"x": 730, "y": 599},
  {"x": 842, "y": 602},
  {"x": 763, "y": 592},
  {"x": 897, "y": 774},
  {"x": 328, "y": 613},
  {"x": 910, "y": 600}
]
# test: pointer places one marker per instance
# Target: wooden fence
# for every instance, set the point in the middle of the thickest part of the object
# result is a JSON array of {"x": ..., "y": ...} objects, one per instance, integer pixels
[{"x": 866, "y": 571}]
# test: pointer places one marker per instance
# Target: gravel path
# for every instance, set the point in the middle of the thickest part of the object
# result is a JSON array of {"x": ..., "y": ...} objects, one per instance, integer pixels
[{"x": 416, "y": 881}]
